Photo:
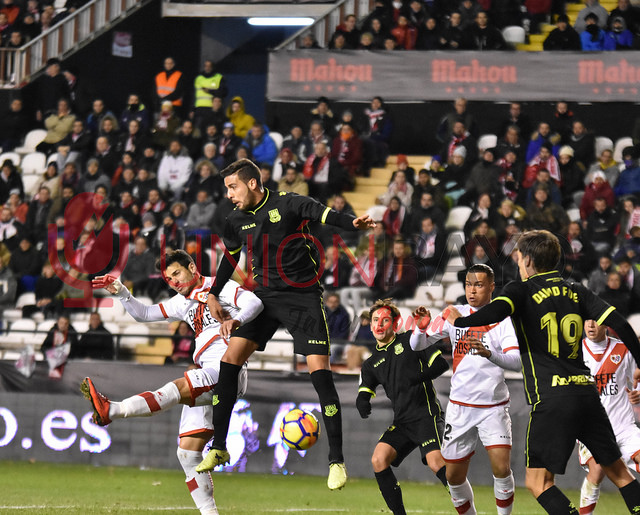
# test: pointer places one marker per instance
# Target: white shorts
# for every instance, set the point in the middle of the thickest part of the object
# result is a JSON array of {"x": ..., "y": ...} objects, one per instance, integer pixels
[
  {"x": 629, "y": 442},
  {"x": 464, "y": 424},
  {"x": 198, "y": 417}
]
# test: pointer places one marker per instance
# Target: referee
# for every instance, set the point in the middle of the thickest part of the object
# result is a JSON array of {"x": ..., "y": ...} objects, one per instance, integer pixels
[
  {"x": 548, "y": 314},
  {"x": 274, "y": 225},
  {"x": 406, "y": 377}
]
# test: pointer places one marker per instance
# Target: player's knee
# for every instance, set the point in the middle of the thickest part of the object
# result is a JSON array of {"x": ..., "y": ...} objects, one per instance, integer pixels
[
  {"x": 379, "y": 462},
  {"x": 501, "y": 470},
  {"x": 183, "y": 388}
]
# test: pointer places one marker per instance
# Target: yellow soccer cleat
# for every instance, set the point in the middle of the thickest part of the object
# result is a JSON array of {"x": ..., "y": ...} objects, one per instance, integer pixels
[
  {"x": 214, "y": 458},
  {"x": 337, "y": 476}
]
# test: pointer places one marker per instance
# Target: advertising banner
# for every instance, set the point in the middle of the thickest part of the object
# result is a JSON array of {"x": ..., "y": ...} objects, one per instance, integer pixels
[{"x": 356, "y": 75}]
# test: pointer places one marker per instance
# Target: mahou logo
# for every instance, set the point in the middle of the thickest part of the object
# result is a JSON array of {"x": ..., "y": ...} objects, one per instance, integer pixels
[{"x": 310, "y": 70}]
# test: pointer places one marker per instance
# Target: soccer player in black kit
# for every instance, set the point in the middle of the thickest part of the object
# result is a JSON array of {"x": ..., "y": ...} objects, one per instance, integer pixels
[
  {"x": 548, "y": 314},
  {"x": 273, "y": 225},
  {"x": 406, "y": 377}
]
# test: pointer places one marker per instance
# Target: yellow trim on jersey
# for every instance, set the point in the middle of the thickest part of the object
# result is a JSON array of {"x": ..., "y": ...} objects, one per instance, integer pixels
[
  {"x": 326, "y": 325},
  {"x": 232, "y": 252},
  {"x": 526, "y": 449},
  {"x": 605, "y": 315},
  {"x": 508, "y": 301},
  {"x": 540, "y": 273},
  {"x": 386, "y": 345},
  {"x": 434, "y": 356},
  {"x": 323, "y": 218},
  {"x": 264, "y": 201},
  {"x": 365, "y": 389},
  {"x": 533, "y": 368},
  {"x": 315, "y": 265}
]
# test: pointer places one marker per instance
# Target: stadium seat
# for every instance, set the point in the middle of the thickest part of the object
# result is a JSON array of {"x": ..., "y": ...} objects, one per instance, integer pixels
[
  {"x": 277, "y": 139},
  {"x": 487, "y": 141},
  {"x": 20, "y": 333},
  {"x": 452, "y": 293},
  {"x": 455, "y": 241},
  {"x": 426, "y": 295},
  {"x": 81, "y": 326},
  {"x": 514, "y": 34},
  {"x": 603, "y": 143},
  {"x": 13, "y": 156},
  {"x": 34, "y": 163},
  {"x": 620, "y": 145},
  {"x": 43, "y": 327},
  {"x": 458, "y": 216},
  {"x": 574, "y": 214},
  {"x": 30, "y": 184},
  {"x": 26, "y": 299},
  {"x": 31, "y": 141},
  {"x": 140, "y": 336},
  {"x": 154, "y": 354},
  {"x": 376, "y": 212}
]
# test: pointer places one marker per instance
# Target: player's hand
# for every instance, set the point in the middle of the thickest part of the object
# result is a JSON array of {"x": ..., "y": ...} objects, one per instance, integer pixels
[
  {"x": 634, "y": 396},
  {"x": 364, "y": 222},
  {"x": 363, "y": 404},
  {"x": 216, "y": 309},
  {"x": 451, "y": 314},
  {"x": 227, "y": 327},
  {"x": 422, "y": 318},
  {"x": 636, "y": 378},
  {"x": 479, "y": 349},
  {"x": 108, "y": 282}
]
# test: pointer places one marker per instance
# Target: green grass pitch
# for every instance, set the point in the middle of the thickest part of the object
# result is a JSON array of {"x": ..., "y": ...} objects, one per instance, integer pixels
[{"x": 44, "y": 488}]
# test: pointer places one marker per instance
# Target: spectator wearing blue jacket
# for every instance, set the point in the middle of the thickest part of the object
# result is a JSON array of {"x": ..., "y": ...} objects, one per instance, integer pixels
[
  {"x": 619, "y": 37},
  {"x": 261, "y": 146},
  {"x": 629, "y": 180},
  {"x": 592, "y": 37},
  {"x": 338, "y": 323}
]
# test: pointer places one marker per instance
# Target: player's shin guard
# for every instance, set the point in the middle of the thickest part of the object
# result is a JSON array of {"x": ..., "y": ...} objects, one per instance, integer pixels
[
  {"x": 331, "y": 413},
  {"x": 390, "y": 490},
  {"x": 147, "y": 403},
  {"x": 503, "y": 488},
  {"x": 224, "y": 398},
  {"x": 462, "y": 498},
  {"x": 555, "y": 502},
  {"x": 199, "y": 485},
  {"x": 631, "y": 495},
  {"x": 589, "y": 495}
]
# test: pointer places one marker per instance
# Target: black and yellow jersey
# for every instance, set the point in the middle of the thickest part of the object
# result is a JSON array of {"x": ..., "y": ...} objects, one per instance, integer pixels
[
  {"x": 277, "y": 239},
  {"x": 396, "y": 366},
  {"x": 548, "y": 314}
]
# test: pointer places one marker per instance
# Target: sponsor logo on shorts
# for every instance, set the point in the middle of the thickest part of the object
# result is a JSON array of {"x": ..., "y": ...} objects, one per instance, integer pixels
[
  {"x": 398, "y": 349},
  {"x": 330, "y": 410},
  {"x": 317, "y": 342},
  {"x": 274, "y": 216},
  {"x": 428, "y": 442},
  {"x": 580, "y": 379}
]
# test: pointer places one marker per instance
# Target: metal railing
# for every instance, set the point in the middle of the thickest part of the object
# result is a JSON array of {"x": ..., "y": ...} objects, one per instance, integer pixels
[
  {"x": 19, "y": 66},
  {"x": 324, "y": 27}
]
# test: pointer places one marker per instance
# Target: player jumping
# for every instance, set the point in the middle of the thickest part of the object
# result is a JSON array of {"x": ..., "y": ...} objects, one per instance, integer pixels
[
  {"x": 479, "y": 398},
  {"x": 274, "y": 227},
  {"x": 406, "y": 377},
  {"x": 548, "y": 312},
  {"x": 195, "y": 388},
  {"x": 613, "y": 368}
]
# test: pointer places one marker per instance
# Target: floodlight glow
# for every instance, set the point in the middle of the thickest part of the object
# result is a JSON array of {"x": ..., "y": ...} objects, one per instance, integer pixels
[{"x": 281, "y": 21}]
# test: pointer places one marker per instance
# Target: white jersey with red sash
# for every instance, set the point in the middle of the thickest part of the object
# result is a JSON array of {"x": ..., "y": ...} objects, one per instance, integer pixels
[
  {"x": 194, "y": 310},
  {"x": 612, "y": 367},
  {"x": 476, "y": 381}
]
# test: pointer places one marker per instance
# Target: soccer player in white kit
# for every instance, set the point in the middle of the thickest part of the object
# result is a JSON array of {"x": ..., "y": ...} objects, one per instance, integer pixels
[
  {"x": 195, "y": 388},
  {"x": 614, "y": 371},
  {"x": 479, "y": 398}
]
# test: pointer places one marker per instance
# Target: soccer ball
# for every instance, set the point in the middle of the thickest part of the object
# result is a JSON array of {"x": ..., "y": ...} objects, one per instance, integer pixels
[{"x": 299, "y": 429}]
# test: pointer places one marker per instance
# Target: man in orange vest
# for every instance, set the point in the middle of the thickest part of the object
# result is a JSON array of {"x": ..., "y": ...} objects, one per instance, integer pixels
[{"x": 169, "y": 85}]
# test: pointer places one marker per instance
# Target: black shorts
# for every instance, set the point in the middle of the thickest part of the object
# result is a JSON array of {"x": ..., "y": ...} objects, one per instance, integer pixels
[
  {"x": 557, "y": 422},
  {"x": 301, "y": 313},
  {"x": 404, "y": 438}
]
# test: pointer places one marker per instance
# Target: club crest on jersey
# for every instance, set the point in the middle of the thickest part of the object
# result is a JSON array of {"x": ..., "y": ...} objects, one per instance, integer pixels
[
  {"x": 202, "y": 296},
  {"x": 398, "y": 349},
  {"x": 274, "y": 216},
  {"x": 615, "y": 358}
]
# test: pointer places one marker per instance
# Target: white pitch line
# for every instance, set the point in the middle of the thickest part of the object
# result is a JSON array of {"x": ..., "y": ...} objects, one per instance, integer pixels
[{"x": 71, "y": 506}]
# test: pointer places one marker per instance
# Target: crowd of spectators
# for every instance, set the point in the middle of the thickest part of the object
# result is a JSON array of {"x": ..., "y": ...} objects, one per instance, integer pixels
[{"x": 478, "y": 25}]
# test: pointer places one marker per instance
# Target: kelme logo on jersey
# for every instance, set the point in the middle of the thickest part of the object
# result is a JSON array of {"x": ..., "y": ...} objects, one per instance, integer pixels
[
  {"x": 398, "y": 349},
  {"x": 330, "y": 410},
  {"x": 616, "y": 358},
  {"x": 274, "y": 216}
]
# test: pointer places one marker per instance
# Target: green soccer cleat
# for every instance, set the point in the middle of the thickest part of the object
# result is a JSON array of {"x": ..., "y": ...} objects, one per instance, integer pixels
[
  {"x": 337, "y": 476},
  {"x": 213, "y": 459}
]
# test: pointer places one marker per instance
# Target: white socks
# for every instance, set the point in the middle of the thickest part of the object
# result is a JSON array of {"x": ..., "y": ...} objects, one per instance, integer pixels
[
  {"x": 462, "y": 498},
  {"x": 146, "y": 404},
  {"x": 200, "y": 485},
  {"x": 503, "y": 488},
  {"x": 589, "y": 495}
]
